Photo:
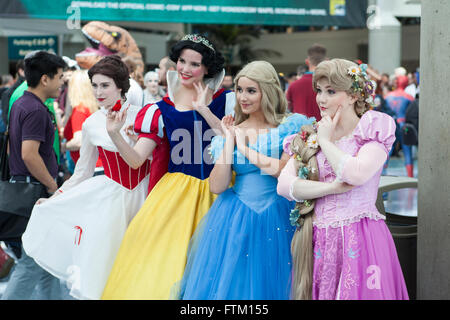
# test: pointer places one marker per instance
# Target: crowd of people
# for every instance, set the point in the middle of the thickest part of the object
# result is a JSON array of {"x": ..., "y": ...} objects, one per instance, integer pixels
[{"x": 197, "y": 184}]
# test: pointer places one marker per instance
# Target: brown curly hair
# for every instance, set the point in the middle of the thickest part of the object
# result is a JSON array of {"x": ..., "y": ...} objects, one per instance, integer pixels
[{"x": 114, "y": 68}]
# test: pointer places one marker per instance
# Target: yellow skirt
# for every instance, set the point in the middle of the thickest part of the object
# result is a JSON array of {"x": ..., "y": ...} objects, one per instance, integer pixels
[{"x": 153, "y": 252}]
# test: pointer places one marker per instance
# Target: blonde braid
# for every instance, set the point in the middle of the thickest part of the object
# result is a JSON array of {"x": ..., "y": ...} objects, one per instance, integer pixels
[{"x": 301, "y": 215}]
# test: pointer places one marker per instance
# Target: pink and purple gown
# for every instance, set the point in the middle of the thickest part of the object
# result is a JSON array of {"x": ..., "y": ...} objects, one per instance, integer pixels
[{"x": 354, "y": 253}]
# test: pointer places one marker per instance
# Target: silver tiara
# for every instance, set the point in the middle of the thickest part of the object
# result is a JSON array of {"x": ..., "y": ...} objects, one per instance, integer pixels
[{"x": 198, "y": 39}]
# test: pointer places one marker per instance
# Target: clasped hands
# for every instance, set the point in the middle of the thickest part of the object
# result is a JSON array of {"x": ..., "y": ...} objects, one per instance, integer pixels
[{"x": 234, "y": 133}]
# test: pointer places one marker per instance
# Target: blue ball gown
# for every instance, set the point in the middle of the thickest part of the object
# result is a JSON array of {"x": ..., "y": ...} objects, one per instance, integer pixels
[{"x": 241, "y": 248}]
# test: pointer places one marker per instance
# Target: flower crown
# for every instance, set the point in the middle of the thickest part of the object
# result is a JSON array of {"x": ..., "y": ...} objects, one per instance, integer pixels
[
  {"x": 367, "y": 90},
  {"x": 198, "y": 39}
]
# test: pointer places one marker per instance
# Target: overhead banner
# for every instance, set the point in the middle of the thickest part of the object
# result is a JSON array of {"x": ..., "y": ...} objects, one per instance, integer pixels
[{"x": 344, "y": 13}]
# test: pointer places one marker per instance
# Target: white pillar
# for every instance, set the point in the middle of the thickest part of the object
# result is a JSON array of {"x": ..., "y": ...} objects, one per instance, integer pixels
[{"x": 384, "y": 37}]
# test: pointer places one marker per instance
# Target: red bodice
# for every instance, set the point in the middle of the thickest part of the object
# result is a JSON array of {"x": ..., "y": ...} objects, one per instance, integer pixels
[{"x": 118, "y": 170}]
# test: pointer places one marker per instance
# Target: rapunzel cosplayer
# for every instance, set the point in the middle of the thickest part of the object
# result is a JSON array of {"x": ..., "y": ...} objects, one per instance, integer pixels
[{"x": 342, "y": 248}]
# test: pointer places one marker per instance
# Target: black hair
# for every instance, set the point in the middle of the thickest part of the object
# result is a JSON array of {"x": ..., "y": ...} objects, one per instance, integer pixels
[
  {"x": 39, "y": 63},
  {"x": 114, "y": 68},
  {"x": 20, "y": 65},
  {"x": 211, "y": 59}
]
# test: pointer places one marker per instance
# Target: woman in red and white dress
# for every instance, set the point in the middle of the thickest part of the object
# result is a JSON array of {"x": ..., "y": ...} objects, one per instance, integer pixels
[{"x": 76, "y": 233}]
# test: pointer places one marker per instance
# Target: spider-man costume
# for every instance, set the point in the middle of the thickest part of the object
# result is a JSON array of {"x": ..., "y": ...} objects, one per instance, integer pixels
[{"x": 398, "y": 100}]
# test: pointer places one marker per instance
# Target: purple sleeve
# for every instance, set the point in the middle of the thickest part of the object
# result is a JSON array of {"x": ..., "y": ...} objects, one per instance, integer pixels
[
  {"x": 375, "y": 135},
  {"x": 359, "y": 169},
  {"x": 32, "y": 126},
  {"x": 376, "y": 127}
]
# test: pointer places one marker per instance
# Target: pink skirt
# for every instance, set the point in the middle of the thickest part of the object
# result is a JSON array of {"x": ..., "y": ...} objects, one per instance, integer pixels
[{"x": 357, "y": 262}]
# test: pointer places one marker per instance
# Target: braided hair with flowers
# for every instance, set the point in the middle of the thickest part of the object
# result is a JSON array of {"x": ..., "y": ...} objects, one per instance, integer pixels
[{"x": 304, "y": 148}]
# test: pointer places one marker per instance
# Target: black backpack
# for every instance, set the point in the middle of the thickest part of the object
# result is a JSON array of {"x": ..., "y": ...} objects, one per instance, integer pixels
[{"x": 410, "y": 131}]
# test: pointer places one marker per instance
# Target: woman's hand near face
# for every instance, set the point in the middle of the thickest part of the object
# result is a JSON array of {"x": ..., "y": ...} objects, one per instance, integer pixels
[
  {"x": 115, "y": 120},
  {"x": 199, "y": 103},
  {"x": 326, "y": 126},
  {"x": 135, "y": 155},
  {"x": 228, "y": 128}
]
